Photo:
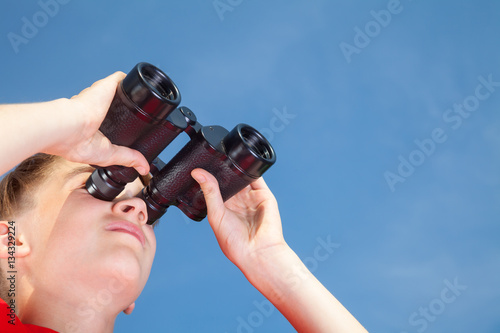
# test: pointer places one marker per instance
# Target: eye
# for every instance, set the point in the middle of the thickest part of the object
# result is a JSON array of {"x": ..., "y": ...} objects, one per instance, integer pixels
[{"x": 81, "y": 187}]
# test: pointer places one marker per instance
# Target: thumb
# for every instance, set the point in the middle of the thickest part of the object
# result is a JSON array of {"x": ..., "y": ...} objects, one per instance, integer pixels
[{"x": 213, "y": 198}]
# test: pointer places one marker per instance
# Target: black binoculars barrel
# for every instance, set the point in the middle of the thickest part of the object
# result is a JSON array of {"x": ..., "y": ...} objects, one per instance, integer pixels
[
  {"x": 144, "y": 98},
  {"x": 235, "y": 159},
  {"x": 141, "y": 116}
]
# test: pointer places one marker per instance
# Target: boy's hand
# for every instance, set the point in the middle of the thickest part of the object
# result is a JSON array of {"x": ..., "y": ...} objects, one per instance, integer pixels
[
  {"x": 80, "y": 139},
  {"x": 247, "y": 225}
]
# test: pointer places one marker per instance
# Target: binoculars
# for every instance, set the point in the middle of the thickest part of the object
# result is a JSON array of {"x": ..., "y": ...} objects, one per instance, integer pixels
[{"x": 144, "y": 115}]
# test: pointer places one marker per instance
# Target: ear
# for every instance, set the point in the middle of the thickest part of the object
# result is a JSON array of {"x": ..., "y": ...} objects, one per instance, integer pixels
[
  {"x": 12, "y": 243},
  {"x": 129, "y": 309}
]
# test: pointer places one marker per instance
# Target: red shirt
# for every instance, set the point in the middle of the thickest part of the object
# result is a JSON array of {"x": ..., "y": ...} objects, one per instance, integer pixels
[{"x": 10, "y": 323}]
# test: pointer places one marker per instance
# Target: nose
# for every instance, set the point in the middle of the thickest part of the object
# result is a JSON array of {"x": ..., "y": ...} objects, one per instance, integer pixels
[{"x": 132, "y": 208}]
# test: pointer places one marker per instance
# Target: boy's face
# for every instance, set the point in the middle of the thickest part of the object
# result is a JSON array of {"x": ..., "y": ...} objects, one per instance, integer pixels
[{"x": 86, "y": 248}]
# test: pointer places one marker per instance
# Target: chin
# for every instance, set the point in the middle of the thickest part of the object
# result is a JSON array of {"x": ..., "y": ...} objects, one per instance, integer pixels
[{"x": 125, "y": 271}]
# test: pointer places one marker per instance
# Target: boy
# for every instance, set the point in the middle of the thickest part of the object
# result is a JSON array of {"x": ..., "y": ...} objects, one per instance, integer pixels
[{"x": 70, "y": 246}]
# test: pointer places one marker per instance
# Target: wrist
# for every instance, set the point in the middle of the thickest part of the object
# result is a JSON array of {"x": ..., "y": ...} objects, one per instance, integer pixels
[
  {"x": 265, "y": 257},
  {"x": 274, "y": 271}
]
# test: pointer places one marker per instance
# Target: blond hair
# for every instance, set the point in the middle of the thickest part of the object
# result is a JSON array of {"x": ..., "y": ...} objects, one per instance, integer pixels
[{"x": 17, "y": 193}]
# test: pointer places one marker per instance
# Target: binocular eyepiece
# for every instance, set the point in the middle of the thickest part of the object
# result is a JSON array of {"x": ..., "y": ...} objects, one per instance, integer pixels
[{"x": 144, "y": 115}]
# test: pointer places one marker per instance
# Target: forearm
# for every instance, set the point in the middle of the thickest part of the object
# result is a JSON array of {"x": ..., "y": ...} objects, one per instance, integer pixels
[
  {"x": 284, "y": 280},
  {"x": 27, "y": 129}
]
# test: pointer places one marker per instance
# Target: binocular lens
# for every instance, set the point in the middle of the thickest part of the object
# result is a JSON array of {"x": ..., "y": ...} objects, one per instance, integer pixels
[
  {"x": 249, "y": 150},
  {"x": 256, "y": 142},
  {"x": 153, "y": 94},
  {"x": 158, "y": 83}
]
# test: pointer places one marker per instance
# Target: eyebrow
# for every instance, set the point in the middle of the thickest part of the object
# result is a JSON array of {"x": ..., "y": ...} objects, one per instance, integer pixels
[{"x": 78, "y": 171}]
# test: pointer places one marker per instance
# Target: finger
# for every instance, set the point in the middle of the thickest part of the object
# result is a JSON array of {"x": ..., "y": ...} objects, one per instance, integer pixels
[
  {"x": 116, "y": 77},
  {"x": 259, "y": 184},
  {"x": 130, "y": 158},
  {"x": 211, "y": 192},
  {"x": 119, "y": 155},
  {"x": 100, "y": 151},
  {"x": 100, "y": 94},
  {"x": 109, "y": 82}
]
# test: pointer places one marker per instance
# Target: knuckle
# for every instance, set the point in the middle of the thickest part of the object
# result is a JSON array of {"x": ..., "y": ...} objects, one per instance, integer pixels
[{"x": 208, "y": 190}]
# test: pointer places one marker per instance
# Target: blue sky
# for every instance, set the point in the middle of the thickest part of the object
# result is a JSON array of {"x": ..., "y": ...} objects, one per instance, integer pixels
[{"x": 353, "y": 117}]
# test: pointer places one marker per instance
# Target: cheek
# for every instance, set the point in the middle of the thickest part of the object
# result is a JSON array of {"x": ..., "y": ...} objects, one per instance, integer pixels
[
  {"x": 80, "y": 210},
  {"x": 76, "y": 224},
  {"x": 151, "y": 233},
  {"x": 151, "y": 237}
]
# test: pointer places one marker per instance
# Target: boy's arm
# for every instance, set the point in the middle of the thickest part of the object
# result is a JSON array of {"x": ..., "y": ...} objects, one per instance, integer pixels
[
  {"x": 286, "y": 282},
  {"x": 65, "y": 127},
  {"x": 248, "y": 229}
]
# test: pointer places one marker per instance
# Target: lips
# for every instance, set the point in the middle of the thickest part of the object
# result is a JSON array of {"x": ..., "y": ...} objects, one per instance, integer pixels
[{"x": 129, "y": 228}]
